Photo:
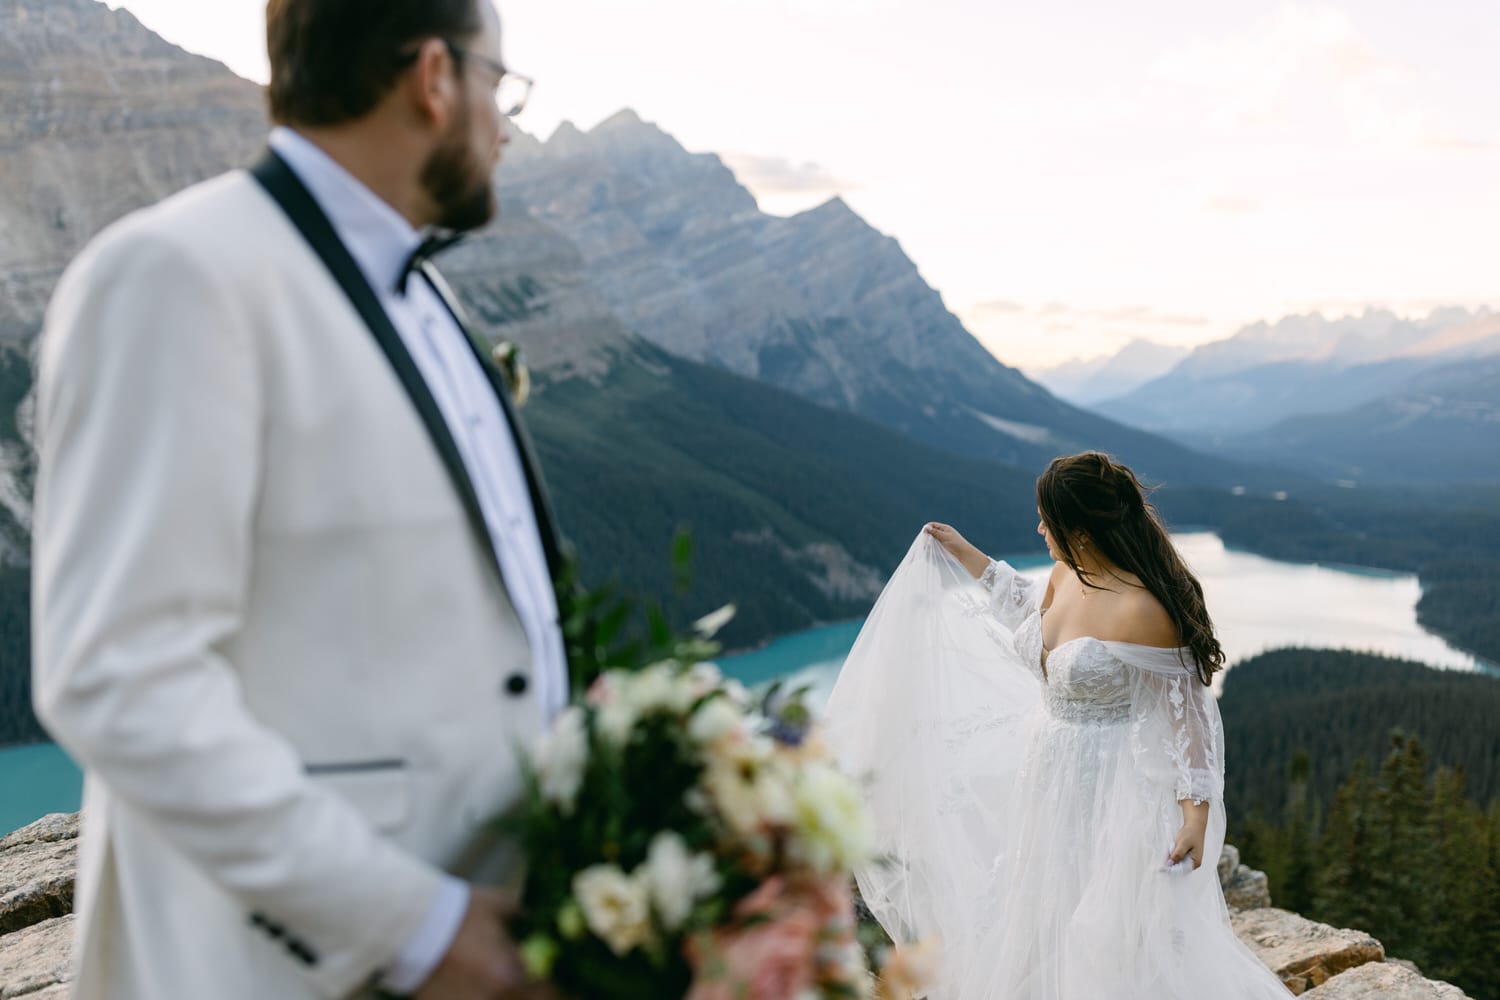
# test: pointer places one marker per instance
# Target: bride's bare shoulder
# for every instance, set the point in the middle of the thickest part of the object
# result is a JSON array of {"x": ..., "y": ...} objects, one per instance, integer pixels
[{"x": 1143, "y": 620}]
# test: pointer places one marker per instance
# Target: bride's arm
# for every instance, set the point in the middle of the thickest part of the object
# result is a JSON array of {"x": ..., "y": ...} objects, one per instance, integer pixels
[
  {"x": 1178, "y": 741},
  {"x": 1012, "y": 596}
]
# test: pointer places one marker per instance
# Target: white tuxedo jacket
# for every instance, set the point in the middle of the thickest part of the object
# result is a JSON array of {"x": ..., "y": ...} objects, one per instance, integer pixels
[{"x": 263, "y": 619}]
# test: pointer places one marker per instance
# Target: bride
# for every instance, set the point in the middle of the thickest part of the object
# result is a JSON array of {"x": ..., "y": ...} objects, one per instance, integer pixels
[{"x": 1045, "y": 761}]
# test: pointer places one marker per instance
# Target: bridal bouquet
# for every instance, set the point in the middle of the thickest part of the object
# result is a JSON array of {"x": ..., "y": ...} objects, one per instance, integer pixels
[{"x": 684, "y": 842}]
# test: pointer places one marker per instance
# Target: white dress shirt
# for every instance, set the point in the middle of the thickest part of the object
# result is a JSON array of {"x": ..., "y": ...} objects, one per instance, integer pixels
[{"x": 381, "y": 240}]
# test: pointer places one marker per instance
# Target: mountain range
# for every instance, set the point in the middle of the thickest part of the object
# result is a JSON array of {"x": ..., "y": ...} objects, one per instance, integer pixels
[
  {"x": 790, "y": 388},
  {"x": 1091, "y": 380},
  {"x": 819, "y": 304},
  {"x": 1371, "y": 398}
]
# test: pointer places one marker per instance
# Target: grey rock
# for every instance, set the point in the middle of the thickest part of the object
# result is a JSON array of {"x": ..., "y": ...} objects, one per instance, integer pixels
[
  {"x": 1229, "y": 860},
  {"x": 1247, "y": 889},
  {"x": 1384, "y": 981},
  {"x": 1304, "y": 954},
  {"x": 49, "y": 829},
  {"x": 35, "y": 961},
  {"x": 1244, "y": 887},
  {"x": 37, "y": 867}
]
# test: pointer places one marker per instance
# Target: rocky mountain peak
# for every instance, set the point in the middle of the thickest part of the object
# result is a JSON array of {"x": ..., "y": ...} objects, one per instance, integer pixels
[
  {"x": 102, "y": 116},
  {"x": 566, "y": 140},
  {"x": 622, "y": 136}
]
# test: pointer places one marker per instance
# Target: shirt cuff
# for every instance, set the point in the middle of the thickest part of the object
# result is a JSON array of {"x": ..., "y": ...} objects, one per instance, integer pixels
[{"x": 421, "y": 954}]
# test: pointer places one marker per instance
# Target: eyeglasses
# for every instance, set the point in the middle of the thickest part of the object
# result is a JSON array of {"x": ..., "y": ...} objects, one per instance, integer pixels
[{"x": 511, "y": 89}]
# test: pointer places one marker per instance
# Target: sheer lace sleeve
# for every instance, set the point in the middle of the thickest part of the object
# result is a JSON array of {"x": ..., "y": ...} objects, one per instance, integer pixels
[
  {"x": 1012, "y": 597},
  {"x": 1176, "y": 734}
]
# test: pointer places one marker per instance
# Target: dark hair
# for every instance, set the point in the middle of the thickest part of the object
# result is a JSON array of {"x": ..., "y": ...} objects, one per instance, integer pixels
[
  {"x": 1093, "y": 494},
  {"x": 333, "y": 60}
]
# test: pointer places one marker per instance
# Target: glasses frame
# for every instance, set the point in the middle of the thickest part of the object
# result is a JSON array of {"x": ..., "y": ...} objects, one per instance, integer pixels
[{"x": 459, "y": 54}]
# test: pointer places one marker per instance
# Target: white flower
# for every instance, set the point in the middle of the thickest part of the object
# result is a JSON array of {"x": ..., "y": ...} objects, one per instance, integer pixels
[
  {"x": 616, "y": 719},
  {"x": 560, "y": 759},
  {"x": 705, "y": 676},
  {"x": 734, "y": 796},
  {"x": 677, "y": 879},
  {"x": 737, "y": 693},
  {"x": 616, "y": 906},
  {"x": 652, "y": 689},
  {"x": 749, "y": 794},
  {"x": 708, "y": 626},
  {"x": 834, "y": 832},
  {"x": 716, "y": 720}
]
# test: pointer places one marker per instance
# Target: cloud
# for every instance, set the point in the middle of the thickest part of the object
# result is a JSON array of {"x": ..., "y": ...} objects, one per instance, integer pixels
[
  {"x": 1455, "y": 144},
  {"x": 775, "y": 175},
  {"x": 1265, "y": 76},
  {"x": 1059, "y": 315},
  {"x": 996, "y": 307},
  {"x": 1141, "y": 315},
  {"x": 1231, "y": 204}
]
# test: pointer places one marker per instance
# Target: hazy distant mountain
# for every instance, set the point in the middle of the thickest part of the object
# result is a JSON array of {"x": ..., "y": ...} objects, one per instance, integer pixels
[
  {"x": 1441, "y": 426},
  {"x": 1089, "y": 381},
  {"x": 1299, "y": 366}
]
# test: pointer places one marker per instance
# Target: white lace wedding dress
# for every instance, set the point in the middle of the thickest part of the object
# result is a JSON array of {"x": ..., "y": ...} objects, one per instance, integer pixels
[{"x": 1027, "y": 800}]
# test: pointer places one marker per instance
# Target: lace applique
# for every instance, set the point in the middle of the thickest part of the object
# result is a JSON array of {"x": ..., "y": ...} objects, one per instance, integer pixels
[
  {"x": 1083, "y": 710},
  {"x": 977, "y": 609},
  {"x": 1192, "y": 747}
]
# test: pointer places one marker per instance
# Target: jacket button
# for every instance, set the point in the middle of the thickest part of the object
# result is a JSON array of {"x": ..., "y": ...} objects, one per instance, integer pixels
[{"x": 516, "y": 685}]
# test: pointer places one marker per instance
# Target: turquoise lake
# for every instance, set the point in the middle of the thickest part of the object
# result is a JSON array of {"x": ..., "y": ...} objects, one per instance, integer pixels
[{"x": 1257, "y": 604}]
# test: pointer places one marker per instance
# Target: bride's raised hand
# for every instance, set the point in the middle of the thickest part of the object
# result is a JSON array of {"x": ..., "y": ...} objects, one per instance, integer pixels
[{"x": 962, "y": 549}]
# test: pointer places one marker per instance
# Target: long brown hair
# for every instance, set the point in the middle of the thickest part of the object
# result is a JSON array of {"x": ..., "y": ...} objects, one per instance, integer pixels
[{"x": 1093, "y": 494}]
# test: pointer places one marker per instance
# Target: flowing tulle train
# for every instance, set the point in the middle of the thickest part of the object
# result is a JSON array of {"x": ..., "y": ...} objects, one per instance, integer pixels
[{"x": 1026, "y": 815}]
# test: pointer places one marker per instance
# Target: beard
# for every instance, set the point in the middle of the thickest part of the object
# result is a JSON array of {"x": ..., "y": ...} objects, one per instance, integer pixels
[{"x": 457, "y": 181}]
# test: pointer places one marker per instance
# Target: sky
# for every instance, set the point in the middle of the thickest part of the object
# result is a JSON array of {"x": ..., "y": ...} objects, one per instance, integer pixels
[{"x": 1069, "y": 176}]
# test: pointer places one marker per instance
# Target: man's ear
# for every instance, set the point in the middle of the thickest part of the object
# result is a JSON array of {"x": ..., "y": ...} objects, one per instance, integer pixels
[{"x": 430, "y": 87}]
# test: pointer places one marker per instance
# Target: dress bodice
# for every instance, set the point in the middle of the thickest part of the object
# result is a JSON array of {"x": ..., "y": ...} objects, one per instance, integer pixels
[{"x": 1083, "y": 680}]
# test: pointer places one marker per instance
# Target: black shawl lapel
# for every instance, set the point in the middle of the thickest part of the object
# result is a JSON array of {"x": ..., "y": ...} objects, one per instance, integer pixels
[
  {"x": 541, "y": 503},
  {"x": 300, "y": 206}
]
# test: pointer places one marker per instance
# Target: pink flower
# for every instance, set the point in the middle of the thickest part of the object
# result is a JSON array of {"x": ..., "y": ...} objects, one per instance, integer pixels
[
  {"x": 602, "y": 692},
  {"x": 909, "y": 970},
  {"x": 772, "y": 952}
]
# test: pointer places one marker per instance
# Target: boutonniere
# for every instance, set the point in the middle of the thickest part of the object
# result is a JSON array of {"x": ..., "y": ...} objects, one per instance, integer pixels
[{"x": 507, "y": 357}]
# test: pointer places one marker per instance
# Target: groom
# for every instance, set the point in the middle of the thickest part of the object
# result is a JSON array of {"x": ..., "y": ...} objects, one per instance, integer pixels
[{"x": 293, "y": 608}]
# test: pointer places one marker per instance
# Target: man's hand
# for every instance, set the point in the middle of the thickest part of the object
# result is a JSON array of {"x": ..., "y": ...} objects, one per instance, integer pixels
[
  {"x": 482, "y": 963},
  {"x": 963, "y": 550}
]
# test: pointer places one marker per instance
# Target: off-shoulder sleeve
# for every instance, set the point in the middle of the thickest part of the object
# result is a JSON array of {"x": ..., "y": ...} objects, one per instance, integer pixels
[
  {"x": 1012, "y": 596},
  {"x": 1177, "y": 736}
]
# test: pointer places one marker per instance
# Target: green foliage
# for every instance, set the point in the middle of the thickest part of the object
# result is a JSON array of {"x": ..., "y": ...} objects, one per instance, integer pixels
[
  {"x": 605, "y": 628},
  {"x": 1338, "y": 707},
  {"x": 1405, "y": 853},
  {"x": 775, "y": 489}
]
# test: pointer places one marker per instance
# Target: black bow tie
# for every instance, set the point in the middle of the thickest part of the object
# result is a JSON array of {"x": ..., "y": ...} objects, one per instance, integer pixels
[{"x": 432, "y": 244}]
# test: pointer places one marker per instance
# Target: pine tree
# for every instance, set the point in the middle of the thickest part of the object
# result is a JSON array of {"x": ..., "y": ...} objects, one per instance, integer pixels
[
  {"x": 1296, "y": 891},
  {"x": 1343, "y": 887},
  {"x": 1455, "y": 935},
  {"x": 1402, "y": 855}
]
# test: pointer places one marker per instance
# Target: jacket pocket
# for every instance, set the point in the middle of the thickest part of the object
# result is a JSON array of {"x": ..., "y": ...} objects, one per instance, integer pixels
[{"x": 379, "y": 789}]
